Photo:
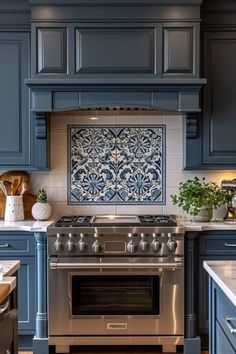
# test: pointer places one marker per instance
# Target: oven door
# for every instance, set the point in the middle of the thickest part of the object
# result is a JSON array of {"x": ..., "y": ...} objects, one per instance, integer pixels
[{"x": 116, "y": 296}]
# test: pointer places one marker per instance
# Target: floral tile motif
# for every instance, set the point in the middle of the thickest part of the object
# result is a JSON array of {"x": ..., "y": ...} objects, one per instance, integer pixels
[{"x": 116, "y": 164}]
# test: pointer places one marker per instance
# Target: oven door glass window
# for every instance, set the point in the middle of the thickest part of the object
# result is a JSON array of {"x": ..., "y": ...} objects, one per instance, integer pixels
[{"x": 115, "y": 295}]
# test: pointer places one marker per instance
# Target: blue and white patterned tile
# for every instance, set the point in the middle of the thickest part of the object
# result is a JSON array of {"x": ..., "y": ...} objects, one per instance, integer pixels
[{"x": 116, "y": 165}]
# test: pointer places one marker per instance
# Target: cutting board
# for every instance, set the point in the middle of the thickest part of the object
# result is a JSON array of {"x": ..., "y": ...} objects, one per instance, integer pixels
[
  {"x": 4, "y": 292},
  {"x": 14, "y": 180}
]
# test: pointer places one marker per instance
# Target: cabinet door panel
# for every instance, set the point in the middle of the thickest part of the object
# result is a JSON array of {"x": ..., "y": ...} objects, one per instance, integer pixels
[
  {"x": 219, "y": 104},
  {"x": 14, "y": 99},
  {"x": 26, "y": 295},
  {"x": 221, "y": 342},
  {"x": 115, "y": 50},
  {"x": 52, "y": 50},
  {"x": 178, "y": 50}
]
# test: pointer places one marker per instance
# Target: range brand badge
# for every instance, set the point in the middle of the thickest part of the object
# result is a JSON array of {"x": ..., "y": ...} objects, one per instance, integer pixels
[{"x": 117, "y": 326}]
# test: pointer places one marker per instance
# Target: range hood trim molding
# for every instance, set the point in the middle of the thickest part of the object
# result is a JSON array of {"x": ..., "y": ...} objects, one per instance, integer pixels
[
  {"x": 175, "y": 97},
  {"x": 115, "y": 2}
]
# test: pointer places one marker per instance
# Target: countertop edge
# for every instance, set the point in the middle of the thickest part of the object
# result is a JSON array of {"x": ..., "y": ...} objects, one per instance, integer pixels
[
  {"x": 208, "y": 266},
  {"x": 7, "y": 269}
]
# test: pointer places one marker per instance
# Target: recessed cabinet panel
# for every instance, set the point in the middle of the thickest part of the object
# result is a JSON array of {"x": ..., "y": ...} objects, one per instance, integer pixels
[
  {"x": 219, "y": 104},
  {"x": 51, "y": 50},
  {"x": 178, "y": 50},
  {"x": 14, "y": 99},
  {"x": 115, "y": 50}
]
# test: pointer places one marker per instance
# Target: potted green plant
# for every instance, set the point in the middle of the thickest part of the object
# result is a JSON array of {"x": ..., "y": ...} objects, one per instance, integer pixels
[
  {"x": 198, "y": 198},
  {"x": 41, "y": 210}
]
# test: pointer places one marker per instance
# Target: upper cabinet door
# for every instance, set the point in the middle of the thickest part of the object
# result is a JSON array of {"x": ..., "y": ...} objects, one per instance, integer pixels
[
  {"x": 117, "y": 50},
  {"x": 52, "y": 50},
  {"x": 219, "y": 103},
  {"x": 181, "y": 48},
  {"x": 14, "y": 100}
]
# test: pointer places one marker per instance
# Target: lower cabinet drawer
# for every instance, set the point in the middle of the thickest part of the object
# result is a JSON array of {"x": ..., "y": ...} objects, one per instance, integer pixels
[
  {"x": 226, "y": 316},
  {"x": 216, "y": 243},
  {"x": 17, "y": 244},
  {"x": 222, "y": 344}
]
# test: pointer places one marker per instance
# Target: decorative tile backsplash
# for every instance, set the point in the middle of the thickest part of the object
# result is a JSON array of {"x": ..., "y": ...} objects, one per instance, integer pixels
[{"x": 116, "y": 164}]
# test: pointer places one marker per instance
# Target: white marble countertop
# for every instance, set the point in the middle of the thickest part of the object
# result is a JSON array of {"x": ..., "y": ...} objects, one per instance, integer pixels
[
  {"x": 206, "y": 226},
  {"x": 7, "y": 268},
  {"x": 224, "y": 274},
  {"x": 26, "y": 225}
]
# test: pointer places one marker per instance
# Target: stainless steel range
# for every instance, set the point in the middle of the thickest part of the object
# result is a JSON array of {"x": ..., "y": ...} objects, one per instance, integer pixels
[{"x": 116, "y": 280}]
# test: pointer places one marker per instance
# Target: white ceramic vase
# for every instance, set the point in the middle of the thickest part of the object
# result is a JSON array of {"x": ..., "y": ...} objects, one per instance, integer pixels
[
  {"x": 14, "y": 210},
  {"x": 41, "y": 211}
]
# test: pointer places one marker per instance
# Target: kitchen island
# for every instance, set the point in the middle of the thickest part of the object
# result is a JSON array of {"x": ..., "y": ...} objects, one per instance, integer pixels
[
  {"x": 8, "y": 306},
  {"x": 222, "y": 306}
]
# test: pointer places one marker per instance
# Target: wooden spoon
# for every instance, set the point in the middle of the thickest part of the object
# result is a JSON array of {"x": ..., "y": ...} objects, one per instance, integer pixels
[
  {"x": 14, "y": 186},
  {"x": 24, "y": 188}
]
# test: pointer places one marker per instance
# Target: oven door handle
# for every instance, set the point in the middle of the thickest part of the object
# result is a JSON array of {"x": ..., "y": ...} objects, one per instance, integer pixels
[{"x": 161, "y": 266}]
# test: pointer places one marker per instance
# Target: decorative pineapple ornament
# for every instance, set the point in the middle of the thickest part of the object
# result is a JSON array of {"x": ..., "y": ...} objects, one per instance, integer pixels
[{"x": 41, "y": 210}]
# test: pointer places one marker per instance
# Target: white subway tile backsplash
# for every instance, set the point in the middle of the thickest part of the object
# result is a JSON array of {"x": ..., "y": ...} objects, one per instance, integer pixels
[
  {"x": 173, "y": 121},
  {"x": 94, "y": 119},
  {"x": 139, "y": 209},
  {"x": 174, "y": 164},
  {"x": 58, "y": 137},
  {"x": 139, "y": 119},
  {"x": 174, "y": 150},
  {"x": 59, "y": 151},
  {"x": 60, "y": 121},
  {"x": 174, "y": 136},
  {"x": 55, "y": 181}
]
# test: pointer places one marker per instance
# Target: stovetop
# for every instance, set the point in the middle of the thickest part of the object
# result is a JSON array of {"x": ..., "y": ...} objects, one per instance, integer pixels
[{"x": 113, "y": 220}]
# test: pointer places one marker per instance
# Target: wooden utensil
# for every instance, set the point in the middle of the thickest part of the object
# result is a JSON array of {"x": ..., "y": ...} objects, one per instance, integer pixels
[
  {"x": 7, "y": 184},
  {"x": 3, "y": 188},
  {"x": 24, "y": 188},
  {"x": 15, "y": 185}
]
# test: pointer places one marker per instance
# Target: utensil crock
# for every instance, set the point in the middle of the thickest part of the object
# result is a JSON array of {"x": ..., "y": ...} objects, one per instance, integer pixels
[{"x": 14, "y": 210}]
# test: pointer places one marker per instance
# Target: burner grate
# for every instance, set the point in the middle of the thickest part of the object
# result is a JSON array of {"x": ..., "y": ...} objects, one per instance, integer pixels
[
  {"x": 73, "y": 221},
  {"x": 160, "y": 220}
]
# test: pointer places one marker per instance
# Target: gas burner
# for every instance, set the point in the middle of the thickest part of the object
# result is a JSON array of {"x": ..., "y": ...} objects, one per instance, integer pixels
[
  {"x": 159, "y": 220},
  {"x": 73, "y": 221}
]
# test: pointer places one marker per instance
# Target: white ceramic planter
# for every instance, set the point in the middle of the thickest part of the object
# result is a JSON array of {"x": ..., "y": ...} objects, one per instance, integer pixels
[{"x": 41, "y": 211}]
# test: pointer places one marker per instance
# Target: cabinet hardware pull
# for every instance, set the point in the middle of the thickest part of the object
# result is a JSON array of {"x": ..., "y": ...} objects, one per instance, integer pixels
[
  {"x": 230, "y": 244},
  {"x": 229, "y": 325},
  {"x": 4, "y": 245}
]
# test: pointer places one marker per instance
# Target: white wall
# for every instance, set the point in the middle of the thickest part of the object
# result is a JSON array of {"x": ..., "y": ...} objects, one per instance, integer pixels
[{"x": 55, "y": 181}]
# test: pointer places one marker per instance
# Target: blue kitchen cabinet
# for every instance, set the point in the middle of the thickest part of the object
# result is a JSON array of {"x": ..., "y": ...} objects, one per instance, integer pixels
[
  {"x": 212, "y": 145},
  {"x": 139, "y": 50},
  {"x": 15, "y": 149},
  {"x": 19, "y": 128},
  {"x": 222, "y": 321},
  {"x": 21, "y": 246},
  {"x": 207, "y": 245}
]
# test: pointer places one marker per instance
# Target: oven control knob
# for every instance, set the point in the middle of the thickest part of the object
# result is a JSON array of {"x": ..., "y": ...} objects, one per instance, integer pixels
[
  {"x": 82, "y": 244},
  {"x": 172, "y": 245},
  {"x": 96, "y": 247},
  {"x": 71, "y": 245},
  {"x": 156, "y": 245},
  {"x": 131, "y": 246},
  {"x": 143, "y": 243},
  {"x": 58, "y": 245}
]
